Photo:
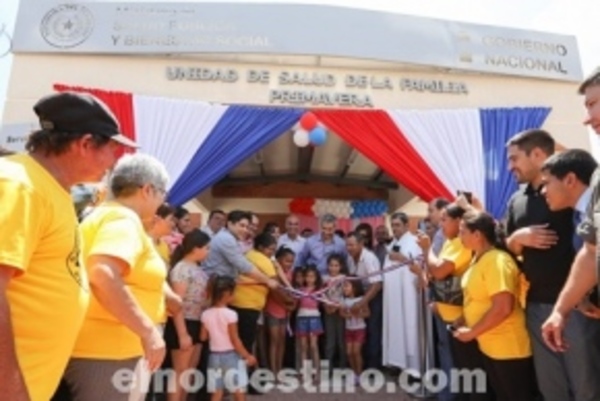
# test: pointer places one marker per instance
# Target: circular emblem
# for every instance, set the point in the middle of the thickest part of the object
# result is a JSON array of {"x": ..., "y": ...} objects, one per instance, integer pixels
[{"x": 67, "y": 26}]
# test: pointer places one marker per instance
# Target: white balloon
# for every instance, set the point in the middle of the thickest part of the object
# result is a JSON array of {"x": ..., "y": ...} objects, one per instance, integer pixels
[{"x": 301, "y": 138}]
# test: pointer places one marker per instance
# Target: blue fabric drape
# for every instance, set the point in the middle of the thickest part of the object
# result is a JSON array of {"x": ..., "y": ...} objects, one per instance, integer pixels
[
  {"x": 498, "y": 126},
  {"x": 242, "y": 131}
]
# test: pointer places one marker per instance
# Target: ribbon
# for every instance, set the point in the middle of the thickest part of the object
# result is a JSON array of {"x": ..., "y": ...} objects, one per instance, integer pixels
[{"x": 320, "y": 294}]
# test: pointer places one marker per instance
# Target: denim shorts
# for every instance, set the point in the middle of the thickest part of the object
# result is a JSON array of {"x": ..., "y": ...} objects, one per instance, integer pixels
[
  {"x": 226, "y": 371},
  {"x": 307, "y": 325}
]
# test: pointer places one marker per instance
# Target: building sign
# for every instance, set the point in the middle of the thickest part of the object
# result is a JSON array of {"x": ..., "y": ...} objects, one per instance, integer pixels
[
  {"x": 316, "y": 88},
  {"x": 280, "y": 29},
  {"x": 13, "y": 137}
]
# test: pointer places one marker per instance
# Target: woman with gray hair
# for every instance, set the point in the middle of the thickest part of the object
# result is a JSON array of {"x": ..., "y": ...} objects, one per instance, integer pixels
[{"x": 127, "y": 277}]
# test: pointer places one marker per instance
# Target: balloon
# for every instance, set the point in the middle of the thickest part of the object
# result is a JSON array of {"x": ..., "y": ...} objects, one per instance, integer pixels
[
  {"x": 301, "y": 138},
  {"x": 308, "y": 121},
  {"x": 318, "y": 136}
]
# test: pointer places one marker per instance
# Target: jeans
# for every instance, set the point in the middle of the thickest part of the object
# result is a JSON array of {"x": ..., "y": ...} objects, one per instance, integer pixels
[
  {"x": 373, "y": 352},
  {"x": 335, "y": 326},
  {"x": 572, "y": 375},
  {"x": 227, "y": 371},
  {"x": 444, "y": 351}
]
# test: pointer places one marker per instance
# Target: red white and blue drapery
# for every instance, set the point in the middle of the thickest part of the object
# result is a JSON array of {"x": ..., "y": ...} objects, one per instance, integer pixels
[{"x": 432, "y": 153}]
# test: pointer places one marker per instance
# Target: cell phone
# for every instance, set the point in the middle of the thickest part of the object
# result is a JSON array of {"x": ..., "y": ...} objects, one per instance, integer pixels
[
  {"x": 450, "y": 328},
  {"x": 396, "y": 248},
  {"x": 468, "y": 195}
]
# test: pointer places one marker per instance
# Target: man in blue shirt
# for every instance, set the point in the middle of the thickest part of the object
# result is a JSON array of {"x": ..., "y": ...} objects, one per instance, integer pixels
[{"x": 320, "y": 246}]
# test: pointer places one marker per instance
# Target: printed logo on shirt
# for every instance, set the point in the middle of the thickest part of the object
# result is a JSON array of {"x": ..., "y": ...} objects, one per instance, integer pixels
[{"x": 74, "y": 263}]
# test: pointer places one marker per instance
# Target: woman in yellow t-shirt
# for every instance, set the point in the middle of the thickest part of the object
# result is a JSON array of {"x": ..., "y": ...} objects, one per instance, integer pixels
[
  {"x": 127, "y": 279},
  {"x": 250, "y": 296},
  {"x": 445, "y": 271},
  {"x": 492, "y": 313}
]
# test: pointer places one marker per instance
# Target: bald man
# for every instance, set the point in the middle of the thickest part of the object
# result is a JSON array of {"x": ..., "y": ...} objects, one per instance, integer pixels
[{"x": 292, "y": 238}]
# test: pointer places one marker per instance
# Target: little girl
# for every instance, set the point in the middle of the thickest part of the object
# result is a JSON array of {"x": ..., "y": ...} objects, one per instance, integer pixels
[
  {"x": 308, "y": 322},
  {"x": 335, "y": 325},
  {"x": 182, "y": 332},
  {"x": 355, "y": 324},
  {"x": 292, "y": 355},
  {"x": 279, "y": 303},
  {"x": 219, "y": 327}
]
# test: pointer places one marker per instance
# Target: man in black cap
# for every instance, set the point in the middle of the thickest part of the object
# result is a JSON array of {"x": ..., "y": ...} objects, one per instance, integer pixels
[{"x": 43, "y": 290}]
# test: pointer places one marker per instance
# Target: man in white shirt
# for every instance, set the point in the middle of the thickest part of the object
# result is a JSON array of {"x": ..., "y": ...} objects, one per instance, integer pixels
[
  {"x": 401, "y": 303},
  {"x": 216, "y": 222},
  {"x": 363, "y": 262},
  {"x": 292, "y": 239}
]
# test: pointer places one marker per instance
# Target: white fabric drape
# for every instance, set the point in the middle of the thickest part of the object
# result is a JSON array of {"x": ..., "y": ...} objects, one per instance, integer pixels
[
  {"x": 450, "y": 142},
  {"x": 173, "y": 130}
]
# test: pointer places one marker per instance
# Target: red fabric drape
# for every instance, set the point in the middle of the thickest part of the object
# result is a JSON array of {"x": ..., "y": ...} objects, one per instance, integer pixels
[
  {"x": 374, "y": 134},
  {"x": 120, "y": 103}
]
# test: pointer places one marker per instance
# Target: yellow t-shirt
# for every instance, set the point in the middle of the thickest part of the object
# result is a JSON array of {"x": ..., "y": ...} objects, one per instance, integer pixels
[
  {"x": 524, "y": 288},
  {"x": 163, "y": 250},
  {"x": 493, "y": 273},
  {"x": 114, "y": 230},
  {"x": 49, "y": 296},
  {"x": 453, "y": 250},
  {"x": 248, "y": 293}
]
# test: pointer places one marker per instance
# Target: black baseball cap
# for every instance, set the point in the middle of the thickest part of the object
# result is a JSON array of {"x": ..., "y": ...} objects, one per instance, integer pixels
[{"x": 79, "y": 113}]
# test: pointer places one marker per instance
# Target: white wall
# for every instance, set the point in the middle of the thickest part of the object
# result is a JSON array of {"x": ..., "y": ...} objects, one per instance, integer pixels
[{"x": 147, "y": 75}]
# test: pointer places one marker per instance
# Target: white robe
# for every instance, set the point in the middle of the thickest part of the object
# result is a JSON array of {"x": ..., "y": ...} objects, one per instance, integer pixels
[{"x": 402, "y": 332}]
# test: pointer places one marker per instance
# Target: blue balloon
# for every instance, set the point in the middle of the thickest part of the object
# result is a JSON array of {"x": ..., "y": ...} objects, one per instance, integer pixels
[{"x": 317, "y": 136}]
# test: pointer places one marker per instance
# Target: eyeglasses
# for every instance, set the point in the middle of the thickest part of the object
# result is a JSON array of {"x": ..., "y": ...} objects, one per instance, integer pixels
[{"x": 161, "y": 191}]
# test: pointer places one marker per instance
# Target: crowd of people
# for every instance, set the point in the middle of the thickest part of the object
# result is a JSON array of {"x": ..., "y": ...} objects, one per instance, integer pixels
[{"x": 124, "y": 281}]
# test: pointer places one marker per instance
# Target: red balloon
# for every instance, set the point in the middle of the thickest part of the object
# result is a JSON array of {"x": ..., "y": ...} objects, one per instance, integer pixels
[
  {"x": 308, "y": 121},
  {"x": 293, "y": 206}
]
